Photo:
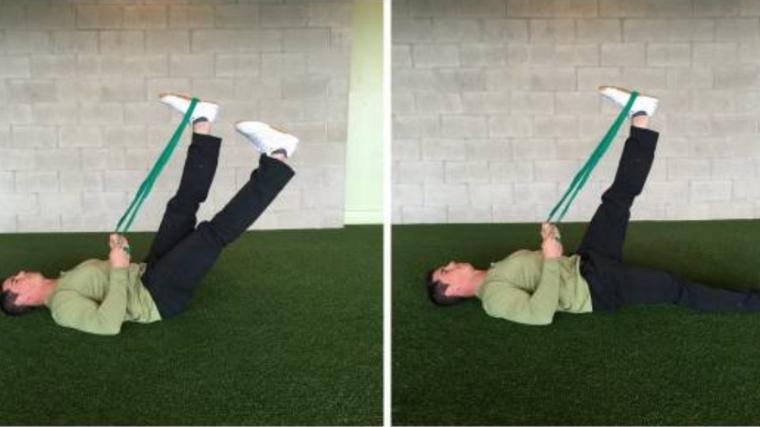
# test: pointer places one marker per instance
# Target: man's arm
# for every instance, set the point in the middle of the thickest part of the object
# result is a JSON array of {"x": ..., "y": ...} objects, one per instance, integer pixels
[
  {"x": 509, "y": 302},
  {"x": 72, "y": 310},
  {"x": 75, "y": 311}
]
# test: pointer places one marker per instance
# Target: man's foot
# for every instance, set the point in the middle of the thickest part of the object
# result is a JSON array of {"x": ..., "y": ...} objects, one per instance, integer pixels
[
  {"x": 643, "y": 103},
  {"x": 203, "y": 109},
  {"x": 267, "y": 139}
]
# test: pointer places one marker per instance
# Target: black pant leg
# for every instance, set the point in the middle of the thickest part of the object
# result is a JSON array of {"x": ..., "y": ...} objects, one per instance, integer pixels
[
  {"x": 174, "y": 278},
  {"x": 197, "y": 176},
  {"x": 614, "y": 284},
  {"x": 605, "y": 233}
]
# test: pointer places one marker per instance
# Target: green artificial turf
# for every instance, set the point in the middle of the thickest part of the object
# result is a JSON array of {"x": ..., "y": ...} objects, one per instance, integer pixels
[
  {"x": 286, "y": 329},
  {"x": 640, "y": 365}
]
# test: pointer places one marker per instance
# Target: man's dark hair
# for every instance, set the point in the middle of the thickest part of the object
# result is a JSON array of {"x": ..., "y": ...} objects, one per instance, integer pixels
[
  {"x": 437, "y": 291},
  {"x": 8, "y": 304}
]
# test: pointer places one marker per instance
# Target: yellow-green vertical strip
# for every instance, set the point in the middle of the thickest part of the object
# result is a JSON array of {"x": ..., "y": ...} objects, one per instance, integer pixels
[{"x": 364, "y": 151}]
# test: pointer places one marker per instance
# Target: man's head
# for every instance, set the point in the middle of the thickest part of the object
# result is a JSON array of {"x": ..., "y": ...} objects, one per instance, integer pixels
[
  {"x": 453, "y": 283},
  {"x": 22, "y": 292}
]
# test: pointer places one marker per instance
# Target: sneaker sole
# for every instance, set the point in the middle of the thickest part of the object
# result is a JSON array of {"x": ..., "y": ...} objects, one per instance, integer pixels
[
  {"x": 187, "y": 98},
  {"x": 283, "y": 131},
  {"x": 628, "y": 91}
]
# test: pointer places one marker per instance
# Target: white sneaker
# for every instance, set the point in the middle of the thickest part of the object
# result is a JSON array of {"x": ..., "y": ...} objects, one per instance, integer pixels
[
  {"x": 181, "y": 103},
  {"x": 266, "y": 139},
  {"x": 620, "y": 96}
]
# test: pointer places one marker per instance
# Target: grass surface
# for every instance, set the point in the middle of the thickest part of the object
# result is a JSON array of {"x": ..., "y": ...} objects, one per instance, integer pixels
[
  {"x": 640, "y": 365},
  {"x": 286, "y": 329}
]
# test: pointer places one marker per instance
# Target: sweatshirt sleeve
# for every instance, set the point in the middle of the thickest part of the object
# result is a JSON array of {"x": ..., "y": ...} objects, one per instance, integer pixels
[
  {"x": 72, "y": 310},
  {"x": 507, "y": 301}
]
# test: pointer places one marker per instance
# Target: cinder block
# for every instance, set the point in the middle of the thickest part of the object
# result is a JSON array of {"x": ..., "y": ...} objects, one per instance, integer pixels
[
  {"x": 527, "y": 149},
  {"x": 645, "y": 8},
  {"x": 36, "y": 181},
  {"x": 748, "y": 53},
  {"x": 443, "y": 149},
  {"x": 542, "y": 193},
  {"x": 170, "y": 41},
  {"x": 715, "y": 53},
  {"x": 324, "y": 14},
  {"x": 736, "y": 77},
  {"x": 244, "y": 41},
  {"x": 668, "y": 30},
  {"x": 116, "y": 42},
  {"x": 23, "y": 204},
  {"x": 15, "y": 67},
  {"x": 724, "y": 124},
  {"x": 434, "y": 102},
  {"x": 486, "y": 102},
  {"x": 30, "y": 91},
  {"x": 12, "y": 16},
  {"x": 505, "y": 30},
  {"x": 75, "y": 41},
  {"x": 555, "y": 170},
  {"x": 464, "y": 126},
  {"x": 50, "y": 17},
  {"x": 39, "y": 223},
  {"x": 283, "y": 16},
  {"x": 122, "y": 180},
  {"x": 402, "y": 56},
  {"x": 412, "y": 30},
  {"x": 145, "y": 17},
  {"x": 195, "y": 65},
  {"x": 599, "y": 30},
  {"x": 305, "y": 87},
  {"x": 238, "y": 65},
  {"x": 551, "y": 8},
  {"x": 69, "y": 203},
  {"x": 488, "y": 149},
  {"x": 283, "y": 64},
  {"x": 101, "y": 113},
  {"x": 564, "y": 55},
  {"x": 511, "y": 78},
  {"x": 191, "y": 16},
  {"x": 460, "y": 80},
  {"x": 560, "y": 126},
  {"x": 467, "y": 172},
  {"x": 58, "y": 113},
  {"x": 690, "y": 78},
  {"x": 532, "y": 103},
  {"x": 432, "y": 56},
  {"x": 478, "y": 55},
  {"x": 646, "y": 78},
  {"x": 448, "y": 195},
  {"x": 96, "y": 17},
  {"x": 423, "y": 215},
  {"x": 501, "y": 126},
  {"x": 733, "y": 168},
  {"x": 456, "y": 30},
  {"x": 749, "y": 8},
  {"x": 34, "y": 136},
  {"x": 156, "y": 86},
  {"x": 482, "y": 195},
  {"x": 60, "y": 159},
  {"x": 53, "y": 66},
  {"x": 417, "y": 126},
  {"x": 27, "y": 42},
  {"x": 710, "y": 191},
  {"x": 686, "y": 168},
  {"x": 481, "y": 9},
  {"x": 552, "y": 30},
  {"x": 307, "y": 39},
  {"x": 80, "y": 136},
  {"x": 116, "y": 90},
  {"x": 623, "y": 54},
  {"x": 711, "y": 8},
  {"x": 737, "y": 29},
  {"x": 468, "y": 214},
  {"x": 660, "y": 54}
]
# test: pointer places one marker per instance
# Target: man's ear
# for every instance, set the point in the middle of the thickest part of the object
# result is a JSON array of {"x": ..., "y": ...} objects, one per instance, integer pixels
[{"x": 450, "y": 291}]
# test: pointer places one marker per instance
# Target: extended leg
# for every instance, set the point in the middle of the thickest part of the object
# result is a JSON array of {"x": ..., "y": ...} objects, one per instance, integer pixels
[
  {"x": 173, "y": 279},
  {"x": 179, "y": 217},
  {"x": 606, "y": 231},
  {"x": 628, "y": 285}
]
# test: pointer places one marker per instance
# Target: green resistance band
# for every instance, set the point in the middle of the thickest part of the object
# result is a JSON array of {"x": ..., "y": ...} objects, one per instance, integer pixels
[
  {"x": 582, "y": 176},
  {"x": 147, "y": 185}
]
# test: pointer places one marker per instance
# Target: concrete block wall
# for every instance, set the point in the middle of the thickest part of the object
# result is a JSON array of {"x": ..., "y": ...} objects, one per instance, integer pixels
[
  {"x": 495, "y": 109},
  {"x": 80, "y": 125}
]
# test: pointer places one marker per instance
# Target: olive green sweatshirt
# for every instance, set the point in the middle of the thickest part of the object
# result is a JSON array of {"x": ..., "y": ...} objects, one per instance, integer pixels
[
  {"x": 94, "y": 297},
  {"x": 526, "y": 288}
]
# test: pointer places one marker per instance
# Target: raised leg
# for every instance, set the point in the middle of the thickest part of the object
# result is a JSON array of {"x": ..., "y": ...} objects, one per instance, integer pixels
[
  {"x": 180, "y": 215},
  {"x": 173, "y": 279},
  {"x": 606, "y": 231}
]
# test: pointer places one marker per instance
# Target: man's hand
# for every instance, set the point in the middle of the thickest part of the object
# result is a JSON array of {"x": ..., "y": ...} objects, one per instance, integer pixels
[
  {"x": 119, "y": 257},
  {"x": 551, "y": 245}
]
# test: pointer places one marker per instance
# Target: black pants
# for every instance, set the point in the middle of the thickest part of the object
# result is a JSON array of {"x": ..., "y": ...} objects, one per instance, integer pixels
[
  {"x": 181, "y": 253},
  {"x": 614, "y": 284}
]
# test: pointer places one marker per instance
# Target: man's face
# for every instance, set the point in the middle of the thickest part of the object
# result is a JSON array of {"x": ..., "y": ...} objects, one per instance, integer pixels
[
  {"x": 454, "y": 274},
  {"x": 24, "y": 284}
]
